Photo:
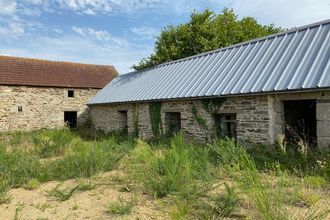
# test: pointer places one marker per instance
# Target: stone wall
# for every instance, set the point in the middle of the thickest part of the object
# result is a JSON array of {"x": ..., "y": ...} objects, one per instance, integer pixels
[
  {"x": 42, "y": 107},
  {"x": 259, "y": 119},
  {"x": 252, "y": 114},
  {"x": 322, "y": 113}
]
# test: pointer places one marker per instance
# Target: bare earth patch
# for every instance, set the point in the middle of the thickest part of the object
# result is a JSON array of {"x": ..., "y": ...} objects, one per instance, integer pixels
[{"x": 92, "y": 204}]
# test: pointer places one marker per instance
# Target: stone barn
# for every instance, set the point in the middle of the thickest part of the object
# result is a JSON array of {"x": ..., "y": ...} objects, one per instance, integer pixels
[
  {"x": 256, "y": 91},
  {"x": 38, "y": 94}
]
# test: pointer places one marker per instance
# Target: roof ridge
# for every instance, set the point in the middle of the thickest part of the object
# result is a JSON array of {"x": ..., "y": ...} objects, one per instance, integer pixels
[
  {"x": 294, "y": 29},
  {"x": 55, "y": 61}
]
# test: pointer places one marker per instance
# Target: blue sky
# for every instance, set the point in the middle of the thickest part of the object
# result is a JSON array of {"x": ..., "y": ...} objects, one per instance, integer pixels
[{"x": 122, "y": 32}]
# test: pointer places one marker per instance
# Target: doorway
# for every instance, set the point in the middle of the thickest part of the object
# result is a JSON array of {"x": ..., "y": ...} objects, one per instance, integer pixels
[
  {"x": 300, "y": 121},
  {"x": 70, "y": 118},
  {"x": 172, "y": 122},
  {"x": 122, "y": 121}
]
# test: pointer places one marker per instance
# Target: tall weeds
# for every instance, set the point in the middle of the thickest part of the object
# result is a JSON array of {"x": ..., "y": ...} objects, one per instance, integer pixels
[{"x": 172, "y": 170}]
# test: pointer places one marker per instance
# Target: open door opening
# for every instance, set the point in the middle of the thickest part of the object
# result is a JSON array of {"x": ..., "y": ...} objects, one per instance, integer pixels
[
  {"x": 122, "y": 121},
  {"x": 172, "y": 122},
  {"x": 300, "y": 121},
  {"x": 70, "y": 118}
]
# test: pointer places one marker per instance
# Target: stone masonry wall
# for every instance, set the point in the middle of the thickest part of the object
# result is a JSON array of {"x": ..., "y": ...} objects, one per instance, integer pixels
[
  {"x": 322, "y": 113},
  {"x": 253, "y": 118},
  {"x": 259, "y": 119},
  {"x": 42, "y": 107}
]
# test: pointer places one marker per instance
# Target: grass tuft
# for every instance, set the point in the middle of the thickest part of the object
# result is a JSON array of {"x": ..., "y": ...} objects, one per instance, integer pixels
[{"x": 120, "y": 207}]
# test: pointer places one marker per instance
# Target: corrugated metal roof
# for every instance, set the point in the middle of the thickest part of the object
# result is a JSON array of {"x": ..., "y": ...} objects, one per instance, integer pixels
[{"x": 297, "y": 59}]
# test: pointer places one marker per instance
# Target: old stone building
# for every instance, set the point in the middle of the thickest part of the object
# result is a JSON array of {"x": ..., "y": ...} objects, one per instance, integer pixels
[
  {"x": 261, "y": 90},
  {"x": 46, "y": 94}
]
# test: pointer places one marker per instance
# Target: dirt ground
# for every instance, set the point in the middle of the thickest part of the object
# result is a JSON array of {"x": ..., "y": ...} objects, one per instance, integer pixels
[
  {"x": 37, "y": 204},
  {"x": 110, "y": 187}
]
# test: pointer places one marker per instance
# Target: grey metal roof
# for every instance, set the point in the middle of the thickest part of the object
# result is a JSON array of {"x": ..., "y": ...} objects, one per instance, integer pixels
[{"x": 297, "y": 59}]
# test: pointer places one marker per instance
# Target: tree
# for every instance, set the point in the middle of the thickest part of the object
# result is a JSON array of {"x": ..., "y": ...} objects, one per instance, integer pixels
[{"x": 205, "y": 31}]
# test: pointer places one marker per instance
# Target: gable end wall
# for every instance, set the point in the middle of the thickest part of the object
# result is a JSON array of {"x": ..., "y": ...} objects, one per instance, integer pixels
[{"x": 43, "y": 107}]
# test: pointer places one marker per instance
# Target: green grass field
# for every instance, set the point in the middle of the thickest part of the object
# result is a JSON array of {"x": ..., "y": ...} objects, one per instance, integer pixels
[{"x": 167, "y": 179}]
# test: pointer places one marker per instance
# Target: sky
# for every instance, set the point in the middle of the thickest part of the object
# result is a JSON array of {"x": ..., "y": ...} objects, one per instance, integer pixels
[{"x": 122, "y": 32}]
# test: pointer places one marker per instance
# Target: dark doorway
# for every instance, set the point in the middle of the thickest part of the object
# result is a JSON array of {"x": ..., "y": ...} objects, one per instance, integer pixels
[
  {"x": 70, "y": 118},
  {"x": 122, "y": 121},
  {"x": 300, "y": 121},
  {"x": 172, "y": 122}
]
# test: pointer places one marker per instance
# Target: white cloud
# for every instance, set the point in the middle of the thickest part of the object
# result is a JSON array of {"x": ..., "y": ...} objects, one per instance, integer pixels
[
  {"x": 281, "y": 12},
  {"x": 145, "y": 32},
  {"x": 86, "y": 6},
  {"x": 11, "y": 29},
  {"x": 7, "y": 7},
  {"x": 99, "y": 35},
  {"x": 73, "y": 47}
]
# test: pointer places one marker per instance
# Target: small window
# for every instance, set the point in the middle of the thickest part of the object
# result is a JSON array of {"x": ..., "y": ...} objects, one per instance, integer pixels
[
  {"x": 122, "y": 121},
  {"x": 225, "y": 125},
  {"x": 20, "y": 109},
  {"x": 70, "y": 93},
  {"x": 172, "y": 122}
]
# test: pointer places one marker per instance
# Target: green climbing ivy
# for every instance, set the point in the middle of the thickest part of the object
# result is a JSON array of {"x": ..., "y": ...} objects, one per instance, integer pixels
[
  {"x": 213, "y": 105},
  {"x": 200, "y": 120},
  {"x": 155, "y": 118},
  {"x": 136, "y": 120}
]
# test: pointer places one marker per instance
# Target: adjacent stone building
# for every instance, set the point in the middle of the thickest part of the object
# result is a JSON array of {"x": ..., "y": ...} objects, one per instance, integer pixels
[
  {"x": 38, "y": 94},
  {"x": 257, "y": 91}
]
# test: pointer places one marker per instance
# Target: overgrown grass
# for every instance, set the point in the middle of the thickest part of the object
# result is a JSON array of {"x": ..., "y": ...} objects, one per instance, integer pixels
[
  {"x": 172, "y": 170},
  {"x": 205, "y": 181},
  {"x": 74, "y": 157}
]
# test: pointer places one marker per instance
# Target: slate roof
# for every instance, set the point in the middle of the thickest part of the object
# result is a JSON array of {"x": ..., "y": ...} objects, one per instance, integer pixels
[
  {"x": 297, "y": 59},
  {"x": 35, "y": 72}
]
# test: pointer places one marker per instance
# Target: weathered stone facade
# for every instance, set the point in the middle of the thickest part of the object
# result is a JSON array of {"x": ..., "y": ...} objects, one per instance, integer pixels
[
  {"x": 259, "y": 118},
  {"x": 41, "y": 107}
]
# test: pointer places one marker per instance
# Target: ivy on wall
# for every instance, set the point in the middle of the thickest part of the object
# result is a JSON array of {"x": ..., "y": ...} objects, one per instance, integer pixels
[
  {"x": 136, "y": 120},
  {"x": 200, "y": 120},
  {"x": 155, "y": 118},
  {"x": 211, "y": 106}
]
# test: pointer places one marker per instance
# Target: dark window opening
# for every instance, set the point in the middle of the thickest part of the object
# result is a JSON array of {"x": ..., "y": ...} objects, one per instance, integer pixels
[
  {"x": 70, "y": 118},
  {"x": 70, "y": 93},
  {"x": 225, "y": 125},
  {"x": 20, "y": 109},
  {"x": 172, "y": 122},
  {"x": 122, "y": 121},
  {"x": 300, "y": 121}
]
